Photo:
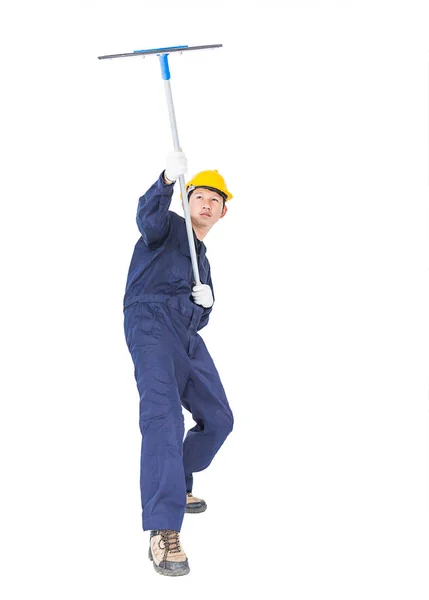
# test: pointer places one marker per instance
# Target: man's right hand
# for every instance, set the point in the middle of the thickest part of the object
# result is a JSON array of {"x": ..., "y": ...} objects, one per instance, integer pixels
[{"x": 176, "y": 164}]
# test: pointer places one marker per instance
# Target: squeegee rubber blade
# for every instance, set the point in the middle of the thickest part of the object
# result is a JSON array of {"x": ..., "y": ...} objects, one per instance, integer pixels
[{"x": 160, "y": 50}]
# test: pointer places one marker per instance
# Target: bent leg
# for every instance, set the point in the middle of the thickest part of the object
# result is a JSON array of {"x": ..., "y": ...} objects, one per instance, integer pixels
[{"x": 205, "y": 398}]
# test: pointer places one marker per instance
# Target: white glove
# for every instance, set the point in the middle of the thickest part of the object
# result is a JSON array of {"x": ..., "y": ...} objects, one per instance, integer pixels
[
  {"x": 202, "y": 295},
  {"x": 176, "y": 164}
]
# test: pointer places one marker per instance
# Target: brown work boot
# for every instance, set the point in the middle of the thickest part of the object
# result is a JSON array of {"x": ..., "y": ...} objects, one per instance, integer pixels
[
  {"x": 166, "y": 553},
  {"x": 193, "y": 504}
]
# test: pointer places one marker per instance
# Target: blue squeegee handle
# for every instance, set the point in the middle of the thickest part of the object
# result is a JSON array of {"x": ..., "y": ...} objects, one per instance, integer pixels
[
  {"x": 163, "y": 58},
  {"x": 165, "y": 70}
]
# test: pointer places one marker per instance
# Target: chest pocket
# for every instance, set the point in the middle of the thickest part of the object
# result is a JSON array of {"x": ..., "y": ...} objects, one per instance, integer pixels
[{"x": 180, "y": 267}]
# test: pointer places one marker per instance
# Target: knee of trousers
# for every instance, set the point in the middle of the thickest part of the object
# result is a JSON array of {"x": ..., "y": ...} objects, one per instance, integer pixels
[
  {"x": 161, "y": 412},
  {"x": 223, "y": 423},
  {"x": 158, "y": 394},
  {"x": 166, "y": 430}
]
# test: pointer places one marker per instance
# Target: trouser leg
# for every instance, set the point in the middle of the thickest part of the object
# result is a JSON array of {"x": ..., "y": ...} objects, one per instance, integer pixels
[
  {"x": 162, "y": 478},
  {"x": 205, "y": 398}
]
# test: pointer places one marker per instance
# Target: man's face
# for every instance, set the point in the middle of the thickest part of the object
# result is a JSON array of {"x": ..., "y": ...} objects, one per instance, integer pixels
[{"x": 206, "y": 207}]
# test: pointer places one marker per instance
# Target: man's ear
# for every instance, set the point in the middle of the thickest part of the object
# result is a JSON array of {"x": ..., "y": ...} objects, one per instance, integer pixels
[{"x": 224, "y": 211}]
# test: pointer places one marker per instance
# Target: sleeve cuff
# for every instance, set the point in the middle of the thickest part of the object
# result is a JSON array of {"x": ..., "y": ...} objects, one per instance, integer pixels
[{"x": 162, "y": 184}]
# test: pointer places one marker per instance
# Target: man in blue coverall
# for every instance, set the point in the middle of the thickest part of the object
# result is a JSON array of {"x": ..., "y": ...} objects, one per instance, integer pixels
[{"x": 163, "y": 311}]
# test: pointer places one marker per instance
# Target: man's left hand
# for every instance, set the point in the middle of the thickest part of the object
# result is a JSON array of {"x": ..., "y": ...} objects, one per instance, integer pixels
[{"x": 202, "y": 295}]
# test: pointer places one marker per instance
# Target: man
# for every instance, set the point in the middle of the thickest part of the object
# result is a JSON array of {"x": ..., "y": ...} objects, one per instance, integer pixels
[{"x": 163, "y": 312}]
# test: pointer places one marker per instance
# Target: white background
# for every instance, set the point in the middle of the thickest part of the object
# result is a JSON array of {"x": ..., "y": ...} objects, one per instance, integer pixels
[{"x": 316, "y": 114}]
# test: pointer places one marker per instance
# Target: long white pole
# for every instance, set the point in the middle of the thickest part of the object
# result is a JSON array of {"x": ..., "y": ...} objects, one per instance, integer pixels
[{"x": 173, "y": 124}]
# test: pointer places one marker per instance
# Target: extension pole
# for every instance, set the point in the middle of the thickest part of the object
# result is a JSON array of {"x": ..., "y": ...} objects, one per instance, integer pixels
[{"x": 163, "y": 59}]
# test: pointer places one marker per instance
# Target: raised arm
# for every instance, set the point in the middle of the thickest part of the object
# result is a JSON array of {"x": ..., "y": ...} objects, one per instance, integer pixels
[{"x": 153, "y": 217}]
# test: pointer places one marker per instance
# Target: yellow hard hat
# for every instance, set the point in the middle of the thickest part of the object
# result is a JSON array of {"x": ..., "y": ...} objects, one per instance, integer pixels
[{"x": 211, "y": 180}]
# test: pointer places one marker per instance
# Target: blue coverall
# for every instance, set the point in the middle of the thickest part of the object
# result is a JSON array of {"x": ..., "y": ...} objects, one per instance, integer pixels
[{"x": 172, "y": 365}]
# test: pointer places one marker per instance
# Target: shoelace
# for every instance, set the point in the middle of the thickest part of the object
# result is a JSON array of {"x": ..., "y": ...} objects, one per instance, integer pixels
[{"x": 170, "y": 537}]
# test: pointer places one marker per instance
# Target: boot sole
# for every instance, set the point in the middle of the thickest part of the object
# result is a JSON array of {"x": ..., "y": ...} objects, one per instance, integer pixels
[
  {"x": 167, "y": 572},
  {"x": 200, "y": 509}
]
